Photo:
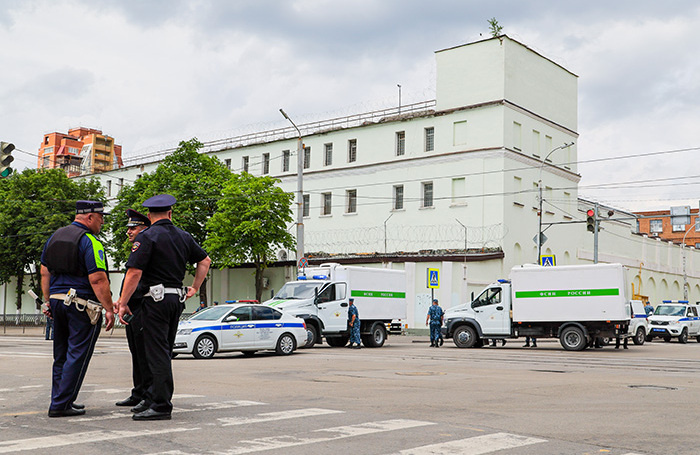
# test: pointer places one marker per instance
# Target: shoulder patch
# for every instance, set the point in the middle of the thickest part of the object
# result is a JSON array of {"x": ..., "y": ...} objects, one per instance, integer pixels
[{"x": 135, "y": 246}]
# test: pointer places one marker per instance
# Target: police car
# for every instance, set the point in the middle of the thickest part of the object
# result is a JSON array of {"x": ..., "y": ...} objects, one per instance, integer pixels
[
  {"x": 247, "y": 328},
  {"x": 675, "y": 319}
]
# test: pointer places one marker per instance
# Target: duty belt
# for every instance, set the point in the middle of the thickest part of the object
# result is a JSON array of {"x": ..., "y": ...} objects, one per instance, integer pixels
[
  {"x": 158, "y": 291},
  {"x": 92, "y": 308}
]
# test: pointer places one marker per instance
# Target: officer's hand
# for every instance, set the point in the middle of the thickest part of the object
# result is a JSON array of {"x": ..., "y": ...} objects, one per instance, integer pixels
[
  {"x": 191, "y": 291},
  {"x": 109, "y": 316},
  {"x": 123, "y": 311}
]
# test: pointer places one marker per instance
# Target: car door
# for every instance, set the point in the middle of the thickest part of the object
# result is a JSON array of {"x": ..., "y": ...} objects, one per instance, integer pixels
[
  {"x": 491, "y": 312},
  {"x": 333, "y": 307},
  {"x": 238, "y": 329},
  {"x": 268, "y": 327},
  {"x": 694, "y": 322}
]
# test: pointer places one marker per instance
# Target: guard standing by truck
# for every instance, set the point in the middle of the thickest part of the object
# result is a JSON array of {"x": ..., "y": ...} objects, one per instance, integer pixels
[
  {"x": 158, "y": 261},
  {"x": 435, "y": 318},
  {"x": 354, "y": 325},
  {"x": 140, "y": 373},
  {"x": 74, "y": 276}
]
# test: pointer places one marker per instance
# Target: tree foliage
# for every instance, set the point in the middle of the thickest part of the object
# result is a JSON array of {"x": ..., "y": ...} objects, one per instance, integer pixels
[
  {"x": 33, "y": 204},
  {"x": 250, "y": 224},
  {"x": 494, "y": 28}
]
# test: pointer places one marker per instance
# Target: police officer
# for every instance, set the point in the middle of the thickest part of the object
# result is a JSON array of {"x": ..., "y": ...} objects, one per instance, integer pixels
[
  {"x": 158, "y": 259},
  {"x": 435, "y": 318},
  {"x": 140, "y": 373},
  {"x": 74, "y": 273},
  {"x": 354, "y": 325}
]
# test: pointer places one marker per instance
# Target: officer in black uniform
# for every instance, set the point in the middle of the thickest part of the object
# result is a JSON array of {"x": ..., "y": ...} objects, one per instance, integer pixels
[
  {"x": 74, "y": 274},
  {"x": 141, "y": 375},
  {"x": 158, "y": 259}
]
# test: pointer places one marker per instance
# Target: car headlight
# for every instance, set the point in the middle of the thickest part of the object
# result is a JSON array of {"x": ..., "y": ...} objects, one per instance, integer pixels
[{"x": 184, "y": 331}]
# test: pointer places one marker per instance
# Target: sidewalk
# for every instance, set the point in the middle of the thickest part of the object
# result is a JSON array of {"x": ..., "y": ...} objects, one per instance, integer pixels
[{"x": 38, "y": 332}]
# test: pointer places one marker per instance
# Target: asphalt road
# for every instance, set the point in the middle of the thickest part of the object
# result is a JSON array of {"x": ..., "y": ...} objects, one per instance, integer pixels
[{"x": 402, "y": 398}]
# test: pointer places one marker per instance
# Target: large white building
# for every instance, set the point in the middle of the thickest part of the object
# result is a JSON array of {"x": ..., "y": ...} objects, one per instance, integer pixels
[{"x": 450, "y": 183}]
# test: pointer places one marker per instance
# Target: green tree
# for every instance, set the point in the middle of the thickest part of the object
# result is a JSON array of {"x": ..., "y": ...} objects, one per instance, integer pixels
[
  {"x": 250, "y": 224},
  {"x": 196, "y": 180},
  {"x": 33, "y": 204},
  {"x": 494, "y": 28}
]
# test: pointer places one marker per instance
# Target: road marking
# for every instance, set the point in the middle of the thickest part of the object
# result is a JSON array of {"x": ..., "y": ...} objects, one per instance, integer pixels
[
  {"x": 31, "y": 386},
  {"x": 271, "y": 416},
  {"x": 202, "y": 407},
  {"x": 19, "y": 445},
  {"x": 475, "y": 446}
]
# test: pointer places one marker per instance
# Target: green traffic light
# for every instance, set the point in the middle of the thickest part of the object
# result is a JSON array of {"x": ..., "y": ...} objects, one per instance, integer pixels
[{"x": 6, "y": 173}]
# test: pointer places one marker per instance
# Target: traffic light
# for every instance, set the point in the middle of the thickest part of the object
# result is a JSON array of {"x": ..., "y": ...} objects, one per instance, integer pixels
[
  {"x": 590, "y": 220},
  {"x": 6, "y": 158}
]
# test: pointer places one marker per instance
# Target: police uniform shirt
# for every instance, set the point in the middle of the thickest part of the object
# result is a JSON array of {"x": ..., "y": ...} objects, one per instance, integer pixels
[
  {"x": 162, "y": 252},
  {"x": 91, "y": 258}
]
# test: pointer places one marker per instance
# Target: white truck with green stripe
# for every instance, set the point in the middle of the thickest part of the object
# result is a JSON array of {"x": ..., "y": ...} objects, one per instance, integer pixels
[
  {"x": 575, "y": 303},
  {"x": 320, "y": 296}
]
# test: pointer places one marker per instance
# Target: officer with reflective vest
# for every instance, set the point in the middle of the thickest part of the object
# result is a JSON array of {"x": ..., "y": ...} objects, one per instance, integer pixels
[
  {"x": 141, "y": 375},
  {"x": 74, "y": 276},
  {"x": 158, "y": 259}
]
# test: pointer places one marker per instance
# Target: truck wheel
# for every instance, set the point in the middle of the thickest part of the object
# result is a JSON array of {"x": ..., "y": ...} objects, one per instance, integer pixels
[
  {"x": 286, "y": 344},
  {"x": 376, "y": 337},
  {"x": 639, "y": 336},
  {"x": 667, "y": 339},
  {"x": 683, "y": 337},
  {"x": 572, "y": 339},
  {"x": 464, "y": 337},
  {"x": 204, "y": 347},
  {"x": 311, "y": 336},
  {"x": 337, "y": 341},
  {"x": 697, "y": 338}
]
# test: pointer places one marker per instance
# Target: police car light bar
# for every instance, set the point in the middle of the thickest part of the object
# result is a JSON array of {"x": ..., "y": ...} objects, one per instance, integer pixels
[{"x": 320, "y": 277}]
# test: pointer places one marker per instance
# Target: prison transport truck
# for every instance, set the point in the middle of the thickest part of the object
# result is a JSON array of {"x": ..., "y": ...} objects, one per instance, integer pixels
[
  {"x": 320, "y": 296},
  {"x": 574, "y": 303}
]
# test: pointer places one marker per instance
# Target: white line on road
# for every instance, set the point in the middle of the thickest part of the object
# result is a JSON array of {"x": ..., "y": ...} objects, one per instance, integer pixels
[
  {"x": 477, "y": 445},
  {"x": 78, "y": 438},
  {"x": 282, "y": 415},
  {"x": 203, "y": 407}
]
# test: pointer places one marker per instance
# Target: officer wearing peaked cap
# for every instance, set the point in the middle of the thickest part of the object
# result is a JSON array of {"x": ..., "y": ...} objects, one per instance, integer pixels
[
  {"x": 157, "y": 261},
  {"x": 141, "y": 375}
]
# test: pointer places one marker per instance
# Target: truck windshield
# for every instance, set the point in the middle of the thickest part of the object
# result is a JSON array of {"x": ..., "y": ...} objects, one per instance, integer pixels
[
  {"x": 297, "y": 290},
  {"x": 670, "y": 310}
]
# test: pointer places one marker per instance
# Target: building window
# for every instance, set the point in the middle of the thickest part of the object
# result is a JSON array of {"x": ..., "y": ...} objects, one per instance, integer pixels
[
  {"x": 352, "y": 150},
  {"x": 459, "y": 133},
  {"x": 265, "y": 163},
  {"x": 656, "y": 226},
  {"x": 47, "y": 161},
  {"x": 398, "y": 197},
  {"x": 517, "y": 136},
  {"x": 327, "y": 154},
  {"x": 427, "y": 194},
  {"x": 307, "y": 157},
  {"x": 306, "y": 201},
  {"x": 121, "y": 184},
  {"x": 678, "y": 228},
  {"x": 351, "y": 201},
  {"x": 228, "y": 163},
  {"x": 459, "y": 191},
  {"x": 400, "y": 143},
  {"x": 109, "y": 188},
  {"x": 326, "y": 200},
  {"x": 429, "y": 139},
  {"x": 244, "y": 164},
  {"x": 285, "y": 160}
]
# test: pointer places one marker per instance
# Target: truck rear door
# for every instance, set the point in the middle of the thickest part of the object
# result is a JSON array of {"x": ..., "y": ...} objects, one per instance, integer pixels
[{"x": 491, "y": 312}]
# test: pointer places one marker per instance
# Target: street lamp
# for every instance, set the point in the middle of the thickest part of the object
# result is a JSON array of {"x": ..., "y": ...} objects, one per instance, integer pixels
[
  {"x": 539, "y": 189},
  {"x": 300, "y": 191},
  {"x": 685, "y": 275}
]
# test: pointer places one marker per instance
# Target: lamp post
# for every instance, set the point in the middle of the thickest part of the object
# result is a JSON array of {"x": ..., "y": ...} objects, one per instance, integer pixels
[
  {"x": 539, "y": 190},
  {"x": 685, "y": 275},
  {"x": 385, "y": 244},
  {"x": 300, "y": 191}
]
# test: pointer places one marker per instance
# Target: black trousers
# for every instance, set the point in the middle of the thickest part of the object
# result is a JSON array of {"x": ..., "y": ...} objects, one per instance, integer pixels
[
  {"x": 160, "y": 320},
  {"x": 141, "y": 374}
]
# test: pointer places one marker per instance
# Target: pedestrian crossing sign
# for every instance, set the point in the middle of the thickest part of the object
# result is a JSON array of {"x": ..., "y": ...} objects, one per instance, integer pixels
[
  {"x": 548, "y": 261},
  {"x": 433, "y": 278}
]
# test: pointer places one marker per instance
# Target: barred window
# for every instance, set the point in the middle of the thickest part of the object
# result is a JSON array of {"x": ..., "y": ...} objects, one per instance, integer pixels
[
  {"x": 327, "y": 154},
  {"x": 326, "y": 209},
  {"x": 352, "y": 150},
  {"x": 244, "y": 165},
  {"x": 351, "y": 201},
  {"x": 266, "y": 163},
  {"x": 306, "y": 199},
  {"x": 307, "y": 157},
  {"x": 427, "y": 194},
  {"x": 429, "y": 139},
  {"x": 400, "y": 143},
  {"x": 285, "y": 160},
  {"x": 398, "y": 197}
]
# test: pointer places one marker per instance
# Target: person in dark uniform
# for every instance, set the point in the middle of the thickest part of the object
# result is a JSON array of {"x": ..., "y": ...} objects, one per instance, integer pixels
[
  {"x": 74, "y": 276},
  {"x": 140, "y": 373},
  {"x": 435, "y": 317},
  {"x": 158, "y": 259},
  {"x": 354, "y": 325}
]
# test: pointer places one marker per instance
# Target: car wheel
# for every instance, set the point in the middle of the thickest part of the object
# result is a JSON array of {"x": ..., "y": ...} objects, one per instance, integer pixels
[
  {"x": 464, "y": 337},
  {"x": 572, "y": 339},
  {"x": 286, "y": 344},
  {"x": 640, "y": 336},
  {"x": 697, "y": 338},
  {"x": 204, "y": 347},
  {"x": 683, "y": 337},
  {"x": 311, "y": 336},
  {"x": 667, "y": 339}
]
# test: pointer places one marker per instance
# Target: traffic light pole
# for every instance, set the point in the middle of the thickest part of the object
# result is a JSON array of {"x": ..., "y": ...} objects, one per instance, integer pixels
[{"x": 595, "y": 234}]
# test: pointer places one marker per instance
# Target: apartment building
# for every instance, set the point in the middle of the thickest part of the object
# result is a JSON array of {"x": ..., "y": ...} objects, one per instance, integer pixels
[{"x": 81, "y": 151}]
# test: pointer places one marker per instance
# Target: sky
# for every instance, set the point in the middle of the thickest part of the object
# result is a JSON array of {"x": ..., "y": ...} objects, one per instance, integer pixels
[{"x": 153, "y": 73}]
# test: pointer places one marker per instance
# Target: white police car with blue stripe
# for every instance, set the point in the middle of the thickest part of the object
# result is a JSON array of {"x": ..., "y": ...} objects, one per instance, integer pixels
[
  {"x": 246, "y": 328},
  {"x": 675, "y": 319}
]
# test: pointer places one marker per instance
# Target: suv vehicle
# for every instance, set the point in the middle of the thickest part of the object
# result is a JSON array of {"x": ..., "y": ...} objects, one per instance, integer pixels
[
  {"x": 675, "y": 319},
  {"x": 639, "y": 323}
]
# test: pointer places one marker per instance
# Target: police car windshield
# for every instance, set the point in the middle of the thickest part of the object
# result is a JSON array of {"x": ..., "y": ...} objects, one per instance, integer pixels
[
  {"x": 297, "y": 290},
  {"x": 211, "y": 314},
  {"x": 670, "y": 310}
]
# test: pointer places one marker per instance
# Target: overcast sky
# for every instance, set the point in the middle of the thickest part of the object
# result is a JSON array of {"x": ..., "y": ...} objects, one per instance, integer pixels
[{"x": 152, "y": 73}]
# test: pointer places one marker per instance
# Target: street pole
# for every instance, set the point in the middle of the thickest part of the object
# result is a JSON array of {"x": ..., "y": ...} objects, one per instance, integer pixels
[
  {"x": 385, "y": 244},
  {"x": 300, "y": 191},
  {"x": 685, "y": 275},
  {"x": 595, "y": 234},
  {"x": 539, "y": 190}
]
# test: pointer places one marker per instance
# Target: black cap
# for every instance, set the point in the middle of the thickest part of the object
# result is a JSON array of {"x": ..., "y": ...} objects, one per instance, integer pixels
[
  {"x": 136, "y": 218},
  {"x": 89, "y": 207},
  {"x": 159, "y": 203}
]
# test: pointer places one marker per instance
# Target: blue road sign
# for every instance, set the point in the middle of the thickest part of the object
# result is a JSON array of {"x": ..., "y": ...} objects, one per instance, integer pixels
[
  {"x": 433, "y": 278},
  {"x": 548, "y": 261}
]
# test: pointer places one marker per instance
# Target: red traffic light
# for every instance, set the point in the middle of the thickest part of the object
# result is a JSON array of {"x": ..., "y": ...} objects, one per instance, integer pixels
[{"x": 590, "y": 212}]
